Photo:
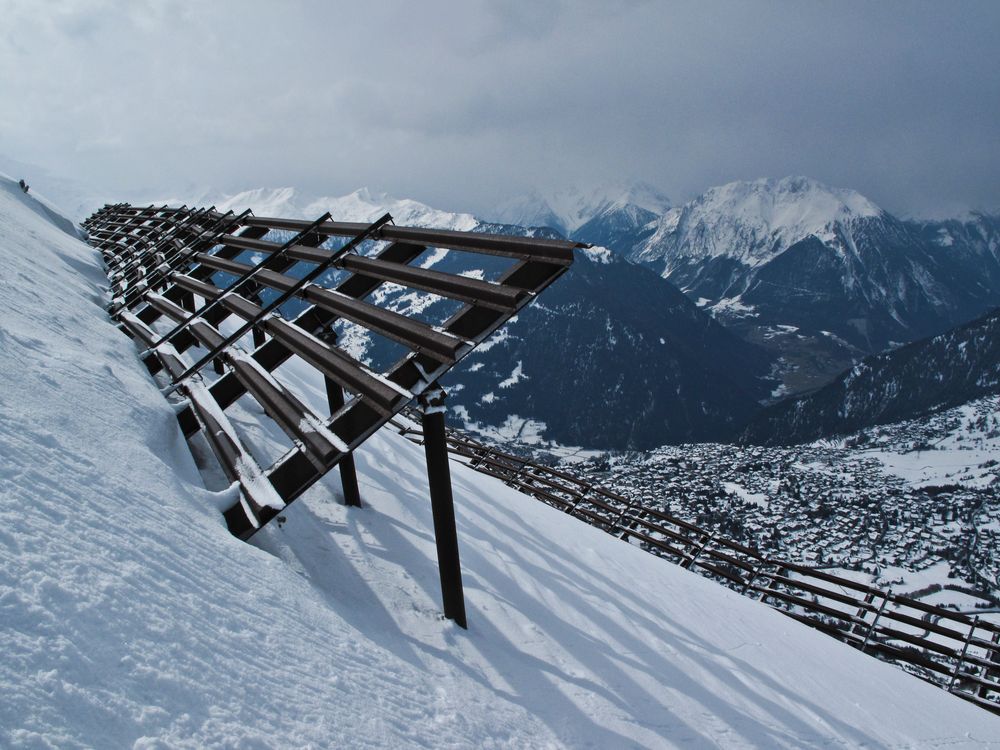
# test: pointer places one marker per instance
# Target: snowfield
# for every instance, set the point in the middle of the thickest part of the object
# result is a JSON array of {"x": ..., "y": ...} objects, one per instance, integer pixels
[
  {"x": 754, "y": 222},
  {"x": 130, "y": 618}
]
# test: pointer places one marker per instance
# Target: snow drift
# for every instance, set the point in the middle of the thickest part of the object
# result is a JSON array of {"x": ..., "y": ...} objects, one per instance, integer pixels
[{"x": 131, "y": 618}]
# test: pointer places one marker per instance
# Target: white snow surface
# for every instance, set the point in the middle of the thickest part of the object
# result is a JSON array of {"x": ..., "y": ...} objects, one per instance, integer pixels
[
  {"x": 599, "y": 255},
  {"x": 41, "y": 205},
  {"x": 756, "y": 498},
  {"x": 753, "y": 222},
  {"x": 130, "y": 618},
  {"x": 74, "y": 199},
  {"x": 961, "y": 453}
]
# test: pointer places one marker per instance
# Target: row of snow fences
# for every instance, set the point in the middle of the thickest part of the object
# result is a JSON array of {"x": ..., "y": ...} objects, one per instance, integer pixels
[
  {"x": 958, "y": 652},
  {"x": 244, "y": 294},
  {"x": 220, "y": 302}
]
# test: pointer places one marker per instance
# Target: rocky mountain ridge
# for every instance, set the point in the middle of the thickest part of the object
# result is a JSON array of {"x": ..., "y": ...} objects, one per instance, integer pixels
[
  {"x": 570, "y": 210},
  {"x": 820, "y": 275},
  {"x": 915, "y": 380}
]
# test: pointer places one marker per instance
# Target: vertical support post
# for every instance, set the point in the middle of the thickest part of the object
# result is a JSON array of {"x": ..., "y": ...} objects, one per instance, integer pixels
[
  {"x": 694, "y": 558},
  {"x": 754, "y": 574},
  {"x": 768, "y": 579},
  {"x": 348, "y": 472},
  {"x": 863, "y": 613},
  {"x": 616, "y": 525},
  {"x": 254, "y": 294},
  {"x": 259, "y": 339},
  {"x": 580, "y": 497},
  {"x": 626, "y": 529},
  {"x": 186, "y": 301},
  {"x": 442, "y": 503},
  {"x": 482, "y": 458}
]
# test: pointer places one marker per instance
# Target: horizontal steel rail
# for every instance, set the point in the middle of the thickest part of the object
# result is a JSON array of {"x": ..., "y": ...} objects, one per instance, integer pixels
[{"x": 529, "y": 248}]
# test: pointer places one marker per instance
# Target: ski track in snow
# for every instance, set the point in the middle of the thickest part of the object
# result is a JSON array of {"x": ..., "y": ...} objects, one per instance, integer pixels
[{"x": 130, "y": 617}]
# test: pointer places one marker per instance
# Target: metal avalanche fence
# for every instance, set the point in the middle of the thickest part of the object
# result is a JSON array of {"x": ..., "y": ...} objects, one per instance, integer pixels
[
  {"x": 219, "y": 302},
  {"x": 954, "y": 651}
]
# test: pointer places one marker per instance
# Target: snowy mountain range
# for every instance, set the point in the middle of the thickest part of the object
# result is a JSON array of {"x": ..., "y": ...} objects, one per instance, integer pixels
[
  {"x": 360, "y": 205},
  {"x": 811, "y": 278},
  {"x": 822, "y": 275},
  {"x": 753, "y": 222},
  {"x": 572, "y": 211}
]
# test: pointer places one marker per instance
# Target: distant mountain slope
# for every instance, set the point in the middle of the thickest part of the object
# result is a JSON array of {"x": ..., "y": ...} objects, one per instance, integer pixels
[
  {"x": 971, "y": 242},
  {"x": 614, "y": 356},
  {"x": 570, "y": 210},
  {"x": 772, "y": 254},
  {"x": 618, "y": 227},
  {"x": 920, "y": 378}
]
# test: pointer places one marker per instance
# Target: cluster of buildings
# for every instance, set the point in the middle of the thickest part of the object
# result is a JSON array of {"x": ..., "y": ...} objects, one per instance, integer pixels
[{"x": 839, "y": 506}]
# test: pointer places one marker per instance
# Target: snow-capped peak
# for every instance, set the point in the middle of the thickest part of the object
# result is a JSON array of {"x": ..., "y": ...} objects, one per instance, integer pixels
[
  {"x": 640, "y": 194},
  {"x": 265, "y": 201},
  {"x": 755, "y": 221},
  {"x": 570, "y": 208},
  {"x": 532, "y": 209},
  {"x": 788, "y": 202},
  {"x": 361, "y": 205}
]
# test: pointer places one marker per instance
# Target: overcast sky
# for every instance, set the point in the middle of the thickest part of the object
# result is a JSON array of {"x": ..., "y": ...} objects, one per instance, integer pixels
[{"x": 464, "y": 104}]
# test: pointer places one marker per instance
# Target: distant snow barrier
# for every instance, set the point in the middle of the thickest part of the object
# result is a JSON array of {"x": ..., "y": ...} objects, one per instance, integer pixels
[
  {"x": 220, "y": 301},
  {"x": 952, "y": 650}
]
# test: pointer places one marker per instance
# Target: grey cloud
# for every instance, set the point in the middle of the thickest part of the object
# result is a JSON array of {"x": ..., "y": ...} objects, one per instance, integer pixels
[{"x": 463, "y": 104}]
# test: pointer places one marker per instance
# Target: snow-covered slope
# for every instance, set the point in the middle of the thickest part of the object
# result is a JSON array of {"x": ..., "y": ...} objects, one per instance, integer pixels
[
  {"x": 40, "y": 205},
  {"x": 130, "y": 618},
  {"x": 753, "y": 222},
  {"x": 569, "y": 209},
  {"x": 75, "y": 199},
  {"x": 957, "y": 446}
]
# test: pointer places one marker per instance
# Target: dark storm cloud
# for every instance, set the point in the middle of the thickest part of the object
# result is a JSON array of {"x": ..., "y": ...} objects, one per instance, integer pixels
[{"x": 462, "y": 104}]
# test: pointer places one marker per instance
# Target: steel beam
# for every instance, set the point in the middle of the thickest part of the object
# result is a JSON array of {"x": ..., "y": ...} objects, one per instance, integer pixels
[
  {"x": 348, "y": 472},
  {"x": 442, "y": 504}
]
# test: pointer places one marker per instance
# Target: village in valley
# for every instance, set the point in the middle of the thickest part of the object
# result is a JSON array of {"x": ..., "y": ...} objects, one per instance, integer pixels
[{"x": 914, "y": 506}]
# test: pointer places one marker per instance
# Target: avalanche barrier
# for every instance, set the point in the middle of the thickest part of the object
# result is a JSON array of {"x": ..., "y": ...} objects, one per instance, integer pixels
[{"x": 181, "y": 276}]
